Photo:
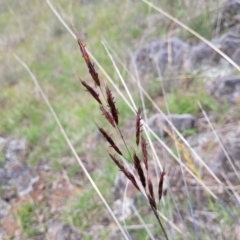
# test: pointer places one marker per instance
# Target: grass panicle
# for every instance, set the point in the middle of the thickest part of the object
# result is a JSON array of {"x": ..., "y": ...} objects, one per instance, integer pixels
[
  {"x": 139, "y": 170},
  {"x": 152, "y": 202},
  {"x": 94, "y": 94},
  {"x": 129, "y": 175},
  {"x": 112, "y": 117},
  {"x": 109, "y": 140},
  {"x": 150, "y": 188},
  {"x": 111, "y": 104},
  {"x": 160, "y": 185},
  {"x": 138, "y": 126},
  {"x": 108, "y": 116},
  {"x": 90, "y": 65},
  {"x": 120, "y": 166},
  {"x": 144, "y": 152}
]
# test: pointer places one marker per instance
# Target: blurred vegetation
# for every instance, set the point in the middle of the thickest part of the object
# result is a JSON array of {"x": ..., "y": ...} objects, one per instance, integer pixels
[{"x": 32, "y": 31}]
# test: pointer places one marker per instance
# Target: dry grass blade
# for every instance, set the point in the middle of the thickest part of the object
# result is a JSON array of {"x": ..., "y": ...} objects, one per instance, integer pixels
[
  {"x": 108, "y": 116},
  {"x": 184, "y": 153},
  {"x": 92, "y": 92},
  {"x": 109, "y": 140},
  {"x": 111, "y": 104},
  {"x": 139, "y": 170},
  {"x": 160, "y": 185},
  {"x": 90, "y": 65},
  {"x": 144, "y": 152},
  {"x": 138, "y": 126}
]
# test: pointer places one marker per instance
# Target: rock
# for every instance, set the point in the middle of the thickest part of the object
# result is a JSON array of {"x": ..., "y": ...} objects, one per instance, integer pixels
[
  {"x": 229, "y": 43},
  {"x": 203, "y": 55},
  {"x": 60, "y": 231},
  {"x": 15, "y": 150},
  {"x": 22, "y": 178},
  {"x": 4, "y": 208},
  {"x": 171, "y": 56},
  {"x": 2, "y": 142},
  {"x": 144, "y": 57},
  {"x": 229, "y": 14},
  {"x": 232, "y": 147},
  {"x": 16, "y": 178},
  {"x": 225, "y": 88},
  {"x": 161, "y": 55},
  {"x": 182, "y": 122}
]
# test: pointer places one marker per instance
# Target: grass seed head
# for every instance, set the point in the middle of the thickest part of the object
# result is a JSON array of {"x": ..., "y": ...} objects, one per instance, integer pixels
[
  {"x": 90, "y": 65},
  {"x": 152, "y": 201},
  {"x": 160, "y": 185},
  {"x": 139, "y": 170},
  {"x": 92, "y": 92},
  {"x": 138, "y": 126},
  {"x": 111, "y": 104},
  {"x": 108, "y": 116},
  {"x": 144, "y": 152},
  {"x": 150, "y": 188},
  {"x": 109, "y": 140},
  {"x": 129, "y": 175},
  {"x": 116, "y": 161}
]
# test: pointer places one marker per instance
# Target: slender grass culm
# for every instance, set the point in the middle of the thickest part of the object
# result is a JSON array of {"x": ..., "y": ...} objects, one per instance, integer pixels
[{"x": 143, "y": 182}]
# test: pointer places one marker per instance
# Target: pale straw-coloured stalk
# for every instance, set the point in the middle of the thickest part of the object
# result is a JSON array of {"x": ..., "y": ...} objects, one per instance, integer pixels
[{"x": 34, "y": 79}]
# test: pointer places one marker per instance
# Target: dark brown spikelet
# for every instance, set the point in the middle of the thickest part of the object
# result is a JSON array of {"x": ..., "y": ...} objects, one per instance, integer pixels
[
  {"x": 92, "y": 92},
  {"x": 90, "y": 65},
  {"x": 108, "y": 116},
  {"x": 109, "y": 140},
  {"x": 138, "y": 126},
  {"x": 144, "y": 152},
  {"x": 94, "y": 74},
  {"x": 152, "y": 201},
  {"x": 139, "y": 170},
  {"x": 111, "y": 104},
  {"x": 131, "y": 177},
  {"x": 120, "y": 166},
  {"x": 125, "y": 171},
  {"x": 160, "y": 185},
  {"x": 150, "y": 188}
]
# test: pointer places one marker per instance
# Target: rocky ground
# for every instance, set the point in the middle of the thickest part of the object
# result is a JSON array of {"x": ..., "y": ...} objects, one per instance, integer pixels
[{"x": 43, "y": 192}]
